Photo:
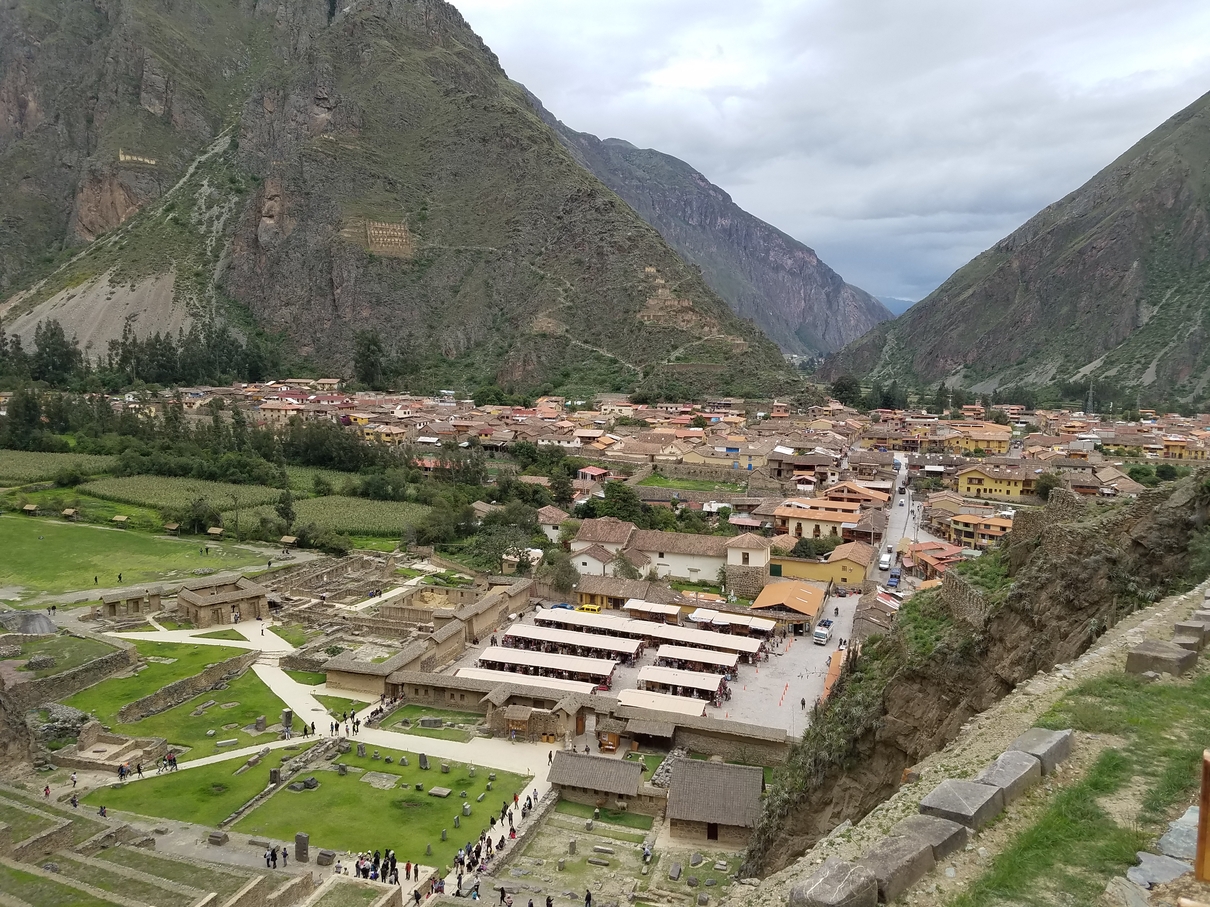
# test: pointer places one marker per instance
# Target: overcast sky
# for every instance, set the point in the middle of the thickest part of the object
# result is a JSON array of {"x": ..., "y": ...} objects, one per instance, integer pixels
[{"x": 898, "y": 138}]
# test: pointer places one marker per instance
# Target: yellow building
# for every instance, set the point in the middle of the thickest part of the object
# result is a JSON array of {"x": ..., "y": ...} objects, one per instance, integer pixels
[
  {"x": 814, "y": 518},
  {"x": 846, "y": 566},
  {"x": 993, "y": 440},
  {"x": 1002, "y": 483},
  {"x": 974, "y": 531}
]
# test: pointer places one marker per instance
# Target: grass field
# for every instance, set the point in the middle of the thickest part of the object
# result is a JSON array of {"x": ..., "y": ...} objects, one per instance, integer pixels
[
  {"x": 106, "y": 698},
  {"x": 34, "y": 889},
  {"x": 310, "y": 678},
  {"x": 659, "y": 481},
  {"x": 613, "y": 817},
  {"x": 415, "y": 712},
  {"x": 49, "y": 556},
  {"x": 295, "y": 634},
  {"x": 351, "y": 516},
  {"x": 302, "y": 478},
  {"x": 68, "y": 651},
  {"x": 205, "y": 795},
  {"x": 224, "y": 634},
  {"x": 22, "y": 824},
  {"x": 178, "y": 726},
  {"x": 338, "y": 705},
  {"x": 386, "y": 544},
  {"x": 20, "y": 466},
  {"x": 164, "y": 492},
  {"x": 53, "y": 501},
  {"x": 346, "y": 813}
]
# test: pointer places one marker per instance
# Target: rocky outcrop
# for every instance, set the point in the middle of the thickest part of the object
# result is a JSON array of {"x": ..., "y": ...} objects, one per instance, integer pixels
[
  {"x": 1108, "y": 283},
  {"x": 765, "y": 275},
  {"x": 1072, "y": 577},
  {"x": 16, "y": 739}
]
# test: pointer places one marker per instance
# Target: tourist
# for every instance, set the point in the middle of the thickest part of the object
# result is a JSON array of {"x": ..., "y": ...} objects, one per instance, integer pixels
[
  {"x": 119, "y": 577},
  {"x": 138, "y": 767},
  {"x": 550, "y": 902},
  {"x": 407, "y": 870},
  {"x": 268, "y": 859},
  {"x": 73, "y": 779},
  {"x": 46, "y": 792},
  {"x": 102, "y": 813},
  {"x": 312, "y": 728},
  {"x": 587, "y": 898},
  {"x": 75, "y": 801},
  {"x": 285, "y": 856},
  {"x": 416, "y": 895},
  {"x": 550, "y": 758}
]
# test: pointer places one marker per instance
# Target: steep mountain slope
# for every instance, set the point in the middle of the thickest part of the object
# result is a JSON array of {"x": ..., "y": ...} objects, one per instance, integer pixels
[
  {"x": 1110, "y": 282},
  {"x": 338, "y": 171},
  {"x": 764, "y": 275}
]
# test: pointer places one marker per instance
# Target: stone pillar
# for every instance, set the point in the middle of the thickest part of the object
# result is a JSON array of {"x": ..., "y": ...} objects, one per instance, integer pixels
[
  {"x": 302, "y": 847},
  {"x": 274, "y": 775},
  {"x": 287, "y": 717}
]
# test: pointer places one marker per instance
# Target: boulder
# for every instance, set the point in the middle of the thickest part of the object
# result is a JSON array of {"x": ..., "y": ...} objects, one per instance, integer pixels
[
  {"x": 218, "y": 838},
  {"x": 965, "y": 802},
  {"x": 1049, "y": 747},
  {"x": 1160, "y": 657},
  {"x": 674, "y": 872},
  {"x": 898, "y": 863},
  {"x": 325, "y": 858},
  {"x": 1014, "y": 772},
  {"x": 943, "y": 835},
  {"x": 837, "y": 883}
]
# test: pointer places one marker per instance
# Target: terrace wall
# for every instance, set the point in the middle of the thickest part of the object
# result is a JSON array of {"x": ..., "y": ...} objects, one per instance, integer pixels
[
  {"x": 33, "y": 693},
  {"x": 186, "y": 688}
]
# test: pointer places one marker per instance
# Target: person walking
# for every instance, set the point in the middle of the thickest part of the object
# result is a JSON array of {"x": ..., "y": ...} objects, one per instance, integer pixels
[
  {"x": 73, "y": 779},
  {"x": 46, "y": 792},
  {"x": 138, "y": 767},
  {"x": 587, "y": 898}
]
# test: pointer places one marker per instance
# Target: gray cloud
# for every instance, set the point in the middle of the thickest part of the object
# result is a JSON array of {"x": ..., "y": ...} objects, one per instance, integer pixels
[{"x": 897, "y": 139}]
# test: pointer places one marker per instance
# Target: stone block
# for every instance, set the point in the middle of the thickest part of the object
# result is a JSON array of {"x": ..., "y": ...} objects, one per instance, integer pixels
[
  {"x": 597, "y": 861},
  {"x": 588, "y": 825},
  {"x": 695, "y": 859},
  {"x": 431, "y": 722},
  {"x": 964, "y": 802},
  {"x": 296, "y": 786},
  {"x": 325, "y": 858},
  {"x": 491, "y": 776},
  {"x": 1156, "y": 870},
  {"x": 898, "y": 863},
  {"x": 1197, "y": 628},
  {"x": 1180, "y": 840},
  {"x": 837, "y": 883},
  {"x": 424, "y": 762},
  {"x": 311, "y": 783},
  {"x": 260, "y": 722},
  {"x": 466, "y": 809},
  {"x": 341, "y": 768},
  {"x": 571, "y": 847},
  {"x": 601, "y": 848},
  {"x": 489, "y": 785},
  {"x": 693, "y": 881},
  {"x": 1049, "y": 747},
  {"x": 444, "y": 834},
  {"x": 561, "y": 864},
  {"x": 403, "y": 760},
  {"x": 1161, "y": 657},
  {"x": 302, "y": 847},
  {"x": 218, "y": 838},
  {"x": 479, "y": 799},
  {"x": 375, "y": 756},
  {"x": 225, "y": 743},
  {"x": 445, "y": 768},
  {"x": 387, "y": 760},
  {"x": 344, "y": 747},
  {"x": 420, "y": 787},
  {"x": 1014, "y": 772},
  {"x": 275, "y": 776},
  {"x": 674, "y": 872},
  {"x": 943, "y": 835},
  {"x": 361, "y": 750},
  {"x": 1189, "y": 643},
  {"x": 703, "y": 899},
  {"x": 441, "y": 792}
]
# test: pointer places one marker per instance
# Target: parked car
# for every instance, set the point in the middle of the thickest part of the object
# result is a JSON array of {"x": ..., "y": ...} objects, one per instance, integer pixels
[{"x": 564, "y": 605}]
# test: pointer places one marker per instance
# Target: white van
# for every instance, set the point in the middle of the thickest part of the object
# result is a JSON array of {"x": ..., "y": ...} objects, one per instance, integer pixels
[{"x": 884, "y": 562}]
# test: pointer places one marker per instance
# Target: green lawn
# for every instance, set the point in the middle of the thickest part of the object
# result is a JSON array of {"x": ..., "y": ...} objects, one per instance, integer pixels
[
  {"x": 408, "y": 572},
  {"x": 104, "y": 699},
  {"x": 295, "y": 634},
  {"x": 415, "y": 712},
  {"x": 224, "y": 881},
  {"x": 111, "y": 882},
  {"x": 659, "y": 481},
  {"x": 45, "y": 893},
  {"x": 346, "y": 813},
  {"x": 224, "y": 634},
  {"x": 338, "y": 705},
  {"x": 22, "y": 824},
  {"x": 53, "y": 556},
  {"x": 178, "y": 726},
  {"x": 440, "y": 733},
  {"x": 651, "y": 760},
  {"x": 310, "y": 678},
  {"x": 68, "y": 651},
  {"x": 374, "y": 543},
  {"x": 205, "y": 795},
  {"x": 610, "y": 816},
  {"x": 350, "y": 893}
]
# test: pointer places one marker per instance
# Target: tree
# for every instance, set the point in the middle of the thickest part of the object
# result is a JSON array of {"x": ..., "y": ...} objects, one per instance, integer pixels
[
  {"x": 1047, "y": 482},
  {"x": 55, "y": 358},
  {"x": 699, "y": 421},
  {"x": 494, "y": 543},
  {"x": 285, "y": 508},
  {"x": 368, "y": 359},
  {"x": 23, "y": 425},
  {"x": 558, "y": 572},
  {"x": 1165, "y": 472},
  {"x": 847, "y": 390},
  {"x": 624, "y": 568},
  {"x": 567, "y": 531},
  {"x": 622, "y": 502},
  {"x": 999, "y": 416},
  {"x": 561, "y": 490}
]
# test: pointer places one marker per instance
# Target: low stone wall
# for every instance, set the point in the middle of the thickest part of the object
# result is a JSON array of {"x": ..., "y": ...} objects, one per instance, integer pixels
[
  {"x": 34, "y": 693},
  {"x": 17, "y": 639},
  {"x": 56, "y": 837},
  {"x": 302, "y": 661},
  {"x": 964, "y": 601},
  {"x": 746, "y": 581},
  {"x": 186, "y": 688},
  {"x": 446, "y": 564},
  {"x": 732, "y": 748}
]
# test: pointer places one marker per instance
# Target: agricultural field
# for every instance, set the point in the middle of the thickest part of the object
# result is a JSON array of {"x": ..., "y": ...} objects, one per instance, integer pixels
[
  {"x": 166, "y": 493},
  {"x": 52, "y": 556},
  {"x": 302, "y": 478},
  {"x": 53, "y": 501},
  {"x": 20, "y": 466},
  {"x": 350, "y": 516}
]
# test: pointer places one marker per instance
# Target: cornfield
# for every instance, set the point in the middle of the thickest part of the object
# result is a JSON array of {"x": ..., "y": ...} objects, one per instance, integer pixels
[
  {"x": 21, "y": 466},
  {"x": 167, "y": 493},
  {"x": 351, "y": 516}
]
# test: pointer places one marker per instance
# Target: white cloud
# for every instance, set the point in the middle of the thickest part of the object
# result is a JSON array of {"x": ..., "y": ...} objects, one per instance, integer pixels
[{"x": 898, "y": 139}]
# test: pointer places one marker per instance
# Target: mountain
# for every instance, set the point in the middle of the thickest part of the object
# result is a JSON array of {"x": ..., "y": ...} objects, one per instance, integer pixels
[
  {"x": 896, "y": 305},
  {"x": 764, "y": 275},
  {"x": 311, "y": 171},
  {"x": 1111, "y": 283}
]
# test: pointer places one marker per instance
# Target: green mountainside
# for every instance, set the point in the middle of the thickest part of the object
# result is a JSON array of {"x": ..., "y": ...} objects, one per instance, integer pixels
[
  {"x": 764, "y": 274},
  {"x": 314, "y": 174},
  {"x": 1109, "y": 284}
]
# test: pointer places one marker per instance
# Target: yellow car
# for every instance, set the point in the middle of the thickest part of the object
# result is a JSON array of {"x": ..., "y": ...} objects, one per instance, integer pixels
[{"x": 591, "y": 609}]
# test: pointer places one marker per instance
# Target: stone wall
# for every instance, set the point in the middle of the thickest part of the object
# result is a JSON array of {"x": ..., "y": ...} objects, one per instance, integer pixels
[
  {"x": 186, "y": 688},
  {"x": 304, "y": 661},
  {"x": 965, "y": 602},
  {"x": 650, "y": 801},
  {"x": 746, "y": 581},
  {"x": 758, "y": 480},
  {"x": 1062, "y": 506},
  {"x": 732, "y": 748},
  {"x": 731, "y": 836},
  {"x": 56, "y": 837},
  {"x": 34, "y": 693}
]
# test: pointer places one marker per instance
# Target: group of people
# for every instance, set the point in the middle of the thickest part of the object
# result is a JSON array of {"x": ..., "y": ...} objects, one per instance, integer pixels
[
  {"x": 167, "y": 763},
  {"x": 307, "y": 731},
  {"x": 351, "y": 722},
  {"x": 271, "y": 855},
  {"x": 124, "y": 770}
]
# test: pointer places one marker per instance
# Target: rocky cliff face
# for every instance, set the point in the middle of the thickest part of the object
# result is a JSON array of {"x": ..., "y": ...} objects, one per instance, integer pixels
[
  {"x": 330, "y": 171},
  {"x": 1110, "y": 282},
  {"x": 1074, "y": 573},
  {"x": 764, "y": 275}
]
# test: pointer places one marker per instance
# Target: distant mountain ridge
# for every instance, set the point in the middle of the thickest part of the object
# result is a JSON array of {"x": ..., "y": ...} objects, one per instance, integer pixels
[
  {"x": 1110, "y": 284},
  {"x": 763, "y": 274}
]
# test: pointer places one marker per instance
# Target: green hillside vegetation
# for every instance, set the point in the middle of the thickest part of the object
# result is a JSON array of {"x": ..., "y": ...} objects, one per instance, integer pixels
[{"x": 1109, "y": 285}]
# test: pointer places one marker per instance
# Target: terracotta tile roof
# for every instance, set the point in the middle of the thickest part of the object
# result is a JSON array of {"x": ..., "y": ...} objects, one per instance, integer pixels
[
  {"x": 715, "y": 792},
  {"x": 611, "y": 776},
  {"x": 649, "y": 540},
  {"x": 605, "y": 531}
]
